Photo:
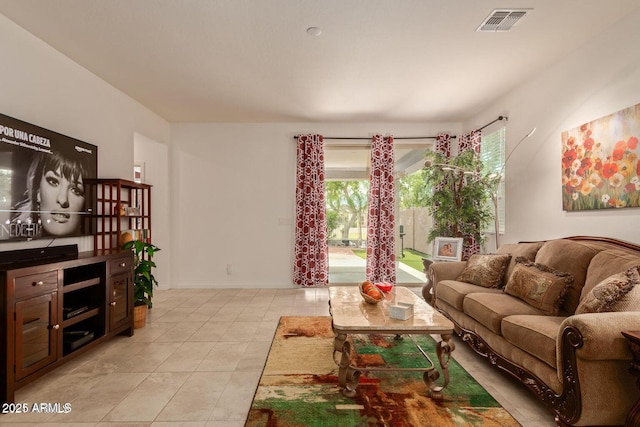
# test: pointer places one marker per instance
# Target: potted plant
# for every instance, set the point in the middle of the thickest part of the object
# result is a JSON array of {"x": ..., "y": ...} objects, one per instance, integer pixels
[
  {"x": 459, "y": 197},
  {"x": 143, "y": 278}
]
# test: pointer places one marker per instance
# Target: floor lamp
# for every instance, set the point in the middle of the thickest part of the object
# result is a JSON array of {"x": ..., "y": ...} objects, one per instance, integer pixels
[{"x": 494, "y": 185}]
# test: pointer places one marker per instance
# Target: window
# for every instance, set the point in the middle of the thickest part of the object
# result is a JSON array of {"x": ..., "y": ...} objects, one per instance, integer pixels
[{"x": 492, "y": 154}]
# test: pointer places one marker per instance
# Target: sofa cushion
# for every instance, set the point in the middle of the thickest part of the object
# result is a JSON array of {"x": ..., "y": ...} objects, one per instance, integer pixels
[
  {"x": 620, "y": 292},
  {"x": 453, "y": 292},
  {"x": 538, "y": 285},
  {"x": 489, "y": 308},
  {"x": 607, "y": 263},
  {"x": 535, "y": 335},
  {"x": 526, "y": 250},
  {"x": 486, "y": 270},
  {"x": 572, "y": 257}
]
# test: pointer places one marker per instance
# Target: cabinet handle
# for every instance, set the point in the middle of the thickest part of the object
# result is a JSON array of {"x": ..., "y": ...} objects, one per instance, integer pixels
[
  {"x": 123, "y": 264},
  {"x": 56, "y": 327},
  {"x": 113, "y": 304},
  {"x": 38, "y": 283}
]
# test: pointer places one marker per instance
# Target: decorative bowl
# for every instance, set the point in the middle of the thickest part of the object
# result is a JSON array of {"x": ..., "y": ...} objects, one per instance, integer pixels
[
  {"x": 384, "y": 286},
  {"x": 369, "y": 298}
]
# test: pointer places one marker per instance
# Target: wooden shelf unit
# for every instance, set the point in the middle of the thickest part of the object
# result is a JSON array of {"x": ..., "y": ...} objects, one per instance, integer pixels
[{"x": 121, "y": 205}]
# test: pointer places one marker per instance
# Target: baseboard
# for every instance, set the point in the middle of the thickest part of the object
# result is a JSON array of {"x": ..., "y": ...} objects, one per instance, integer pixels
[{"x": 231, "y": 286}]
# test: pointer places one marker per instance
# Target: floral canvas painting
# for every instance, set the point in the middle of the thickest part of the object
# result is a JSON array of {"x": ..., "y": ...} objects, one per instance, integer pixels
[{"x": 600, "y": 163}]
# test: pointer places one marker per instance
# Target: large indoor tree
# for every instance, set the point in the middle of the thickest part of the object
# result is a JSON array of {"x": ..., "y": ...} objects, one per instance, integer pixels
[{"x": 458, "y": 196}]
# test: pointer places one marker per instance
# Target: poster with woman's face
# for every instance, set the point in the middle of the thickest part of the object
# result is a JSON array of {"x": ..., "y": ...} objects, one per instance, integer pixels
[{"x": 43, "y": 182}]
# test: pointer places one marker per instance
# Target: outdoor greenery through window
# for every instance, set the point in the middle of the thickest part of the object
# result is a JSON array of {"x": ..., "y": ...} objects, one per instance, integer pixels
[
  {"x": 347, "y": 203},
  {"x": 492, "y": 154},
  {"x": 413, "y": 190}
]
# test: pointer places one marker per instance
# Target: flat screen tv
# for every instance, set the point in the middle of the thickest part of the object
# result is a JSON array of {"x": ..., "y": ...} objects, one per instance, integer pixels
[{"x": 43, "y": 175}]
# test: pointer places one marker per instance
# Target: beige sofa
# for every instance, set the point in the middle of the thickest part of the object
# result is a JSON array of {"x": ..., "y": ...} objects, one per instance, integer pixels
[{"x": 551, "y": 314}]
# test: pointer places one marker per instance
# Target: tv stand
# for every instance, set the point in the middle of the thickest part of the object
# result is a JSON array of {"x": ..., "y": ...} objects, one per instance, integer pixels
[
  {"x": 57, "y": 306},
  {"x": 39, "y": 254}
]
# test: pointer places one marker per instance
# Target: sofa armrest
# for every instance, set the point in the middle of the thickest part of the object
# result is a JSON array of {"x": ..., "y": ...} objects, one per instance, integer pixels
[
  {"x": 601, "y": 333},
  {"x": 445, "y": 270}
]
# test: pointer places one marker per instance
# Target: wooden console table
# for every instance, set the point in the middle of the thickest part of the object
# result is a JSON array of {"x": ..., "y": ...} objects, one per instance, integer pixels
[
  {"x": 54, "y": 309},
  {"x": 633, "y": 338}
]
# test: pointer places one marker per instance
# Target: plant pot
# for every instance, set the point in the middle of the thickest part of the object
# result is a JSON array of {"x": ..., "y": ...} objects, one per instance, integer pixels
[{"x": 139, "y": 316}]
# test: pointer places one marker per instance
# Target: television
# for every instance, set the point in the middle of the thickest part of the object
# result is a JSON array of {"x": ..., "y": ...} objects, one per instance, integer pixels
[{"x": 43, "y": 182}]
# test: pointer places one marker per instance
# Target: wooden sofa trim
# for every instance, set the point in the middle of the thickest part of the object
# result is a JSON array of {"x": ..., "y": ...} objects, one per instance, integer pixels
[{"x": 567, "y": 405}]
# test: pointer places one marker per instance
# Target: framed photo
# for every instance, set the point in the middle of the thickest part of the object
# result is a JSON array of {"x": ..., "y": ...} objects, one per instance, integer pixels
[
  {"x": 447, "y": 249},
  {"x": 138, "y": 172}
]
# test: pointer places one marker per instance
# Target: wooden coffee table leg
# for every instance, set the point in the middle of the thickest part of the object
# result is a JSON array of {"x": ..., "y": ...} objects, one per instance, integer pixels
[{"x": 444, "y": 349}]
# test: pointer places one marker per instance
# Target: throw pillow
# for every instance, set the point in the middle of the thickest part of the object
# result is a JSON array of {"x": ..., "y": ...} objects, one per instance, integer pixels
[
  {"x": 615, "y": 293},
  {"x": 485, "y": 270},
  {"x": 538, "y": 285}
]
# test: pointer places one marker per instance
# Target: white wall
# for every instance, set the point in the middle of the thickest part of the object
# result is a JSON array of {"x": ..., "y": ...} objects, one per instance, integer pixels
[
  {"x": 233, "y": 197},
  {"x": 41, "y": 86},
  {"x": 155, "y": 157},
  {"x": 599, "y": 79}
]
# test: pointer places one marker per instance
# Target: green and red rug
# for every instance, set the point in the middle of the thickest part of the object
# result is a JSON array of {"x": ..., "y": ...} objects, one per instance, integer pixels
[{"x": 299, "y": 385}]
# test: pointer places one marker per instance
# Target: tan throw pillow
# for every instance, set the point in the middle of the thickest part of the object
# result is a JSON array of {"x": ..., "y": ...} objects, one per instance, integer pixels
[
  {"x": 619, "y": 292},
  {"x": 538, "y": 285},
  {"x": 485, "y": 270}
]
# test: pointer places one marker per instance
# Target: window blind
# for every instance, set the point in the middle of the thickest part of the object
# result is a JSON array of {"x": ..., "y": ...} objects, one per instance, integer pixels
[{"x": 492, "y": 154}]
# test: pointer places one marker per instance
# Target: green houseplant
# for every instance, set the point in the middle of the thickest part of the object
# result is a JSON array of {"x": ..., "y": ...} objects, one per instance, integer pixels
[
  {"x": 143, "y": 278},
  {"x": 459, "y": 196}
]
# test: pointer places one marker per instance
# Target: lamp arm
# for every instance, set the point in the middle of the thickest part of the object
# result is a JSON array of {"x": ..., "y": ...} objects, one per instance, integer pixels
[
  {"x": 531, "y": 132},
  {"x": 494, "y": 187}
]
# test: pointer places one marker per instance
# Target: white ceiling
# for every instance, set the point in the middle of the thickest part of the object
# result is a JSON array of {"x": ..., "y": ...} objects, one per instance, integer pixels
[{"x": 252, "y": 60}]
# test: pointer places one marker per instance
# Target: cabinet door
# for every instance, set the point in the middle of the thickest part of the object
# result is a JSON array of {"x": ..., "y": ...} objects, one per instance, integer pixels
[
  {"x": 36, "y": 333},
  {"x": 119, "y": 302}
]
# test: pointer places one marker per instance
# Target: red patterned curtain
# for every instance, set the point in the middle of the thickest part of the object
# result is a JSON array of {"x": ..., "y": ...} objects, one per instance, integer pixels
[
  {"x": 470, "y": 142},
  {"x": 311, "y": 267},
  {"x": 381, "y": 256},
  {"x": 443, "y": 146}
]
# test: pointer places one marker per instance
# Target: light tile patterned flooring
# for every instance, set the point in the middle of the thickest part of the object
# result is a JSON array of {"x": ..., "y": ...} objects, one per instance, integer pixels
[{"x": 197, "y": 363}]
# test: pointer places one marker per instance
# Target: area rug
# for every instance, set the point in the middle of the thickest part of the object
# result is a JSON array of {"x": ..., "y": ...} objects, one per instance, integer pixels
[{"x": 299, "y": 385}]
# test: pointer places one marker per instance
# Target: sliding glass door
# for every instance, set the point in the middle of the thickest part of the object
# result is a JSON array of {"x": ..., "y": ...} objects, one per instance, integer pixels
[{"x": 347, "y": 187}]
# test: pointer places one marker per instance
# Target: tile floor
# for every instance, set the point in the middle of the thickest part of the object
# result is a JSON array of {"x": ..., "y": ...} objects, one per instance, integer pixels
[{"x": 197, "y": 363}]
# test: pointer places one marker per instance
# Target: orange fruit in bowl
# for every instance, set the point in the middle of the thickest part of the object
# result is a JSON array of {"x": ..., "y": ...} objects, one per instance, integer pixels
[
  {"x": 366, "y": 285},
  {"x": 374, "y": 293}
]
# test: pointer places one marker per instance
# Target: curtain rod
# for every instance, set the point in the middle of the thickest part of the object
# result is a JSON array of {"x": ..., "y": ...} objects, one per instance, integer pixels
[
  {"x": 496, "y": 120},
  {"x": 406, "y": 137},
  {"x": 369, "y": 138}
]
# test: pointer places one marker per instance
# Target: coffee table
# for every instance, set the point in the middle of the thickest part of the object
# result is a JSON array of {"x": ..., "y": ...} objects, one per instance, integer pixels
[{"x": 352, "y": 315}]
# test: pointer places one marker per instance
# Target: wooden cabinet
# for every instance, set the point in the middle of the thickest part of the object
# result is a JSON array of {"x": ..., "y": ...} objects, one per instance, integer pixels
[
  {"x": 633, "y": 339},
  {"x": 122, "y": 211},
  {"x": 120, "y": 288},
  {"x": 53, "y": 309},
  {"x": 36, "y": 333}
]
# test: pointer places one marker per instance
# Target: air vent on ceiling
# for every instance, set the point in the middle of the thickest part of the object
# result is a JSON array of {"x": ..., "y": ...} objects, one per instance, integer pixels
[{"x": 503, "y": 19}]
